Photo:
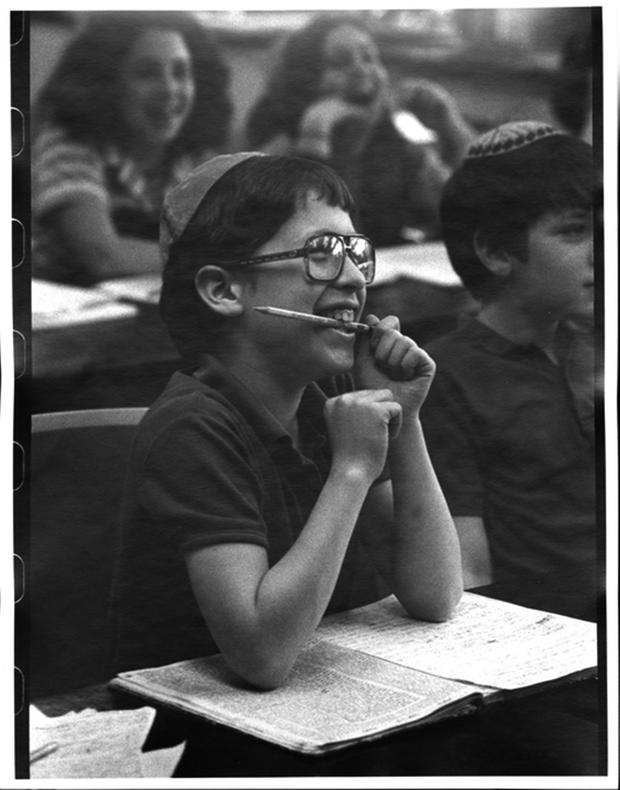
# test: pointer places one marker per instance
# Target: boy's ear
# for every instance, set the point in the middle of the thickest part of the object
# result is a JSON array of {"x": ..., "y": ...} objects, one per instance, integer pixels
[
  {"x": 219, "y": 289},
  {"x": 495, "y": 258}
]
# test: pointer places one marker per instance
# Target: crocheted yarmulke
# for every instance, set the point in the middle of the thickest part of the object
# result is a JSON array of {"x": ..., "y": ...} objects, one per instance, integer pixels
[
  {"x": 509, "y": 137},
  {"x": 181, "y": 202}
]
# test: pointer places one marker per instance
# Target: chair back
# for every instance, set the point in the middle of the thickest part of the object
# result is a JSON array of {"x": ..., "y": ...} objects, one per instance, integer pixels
[{"x": 77, "y": 469}]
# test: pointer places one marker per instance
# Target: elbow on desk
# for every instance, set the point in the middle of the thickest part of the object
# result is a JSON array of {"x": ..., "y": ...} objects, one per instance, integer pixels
[
  {"x": 264, "y": 672},
  {"x": 263, "y": 678},
  {"x": 97, "y": 264},
  {"x": 436, "y": 609}
]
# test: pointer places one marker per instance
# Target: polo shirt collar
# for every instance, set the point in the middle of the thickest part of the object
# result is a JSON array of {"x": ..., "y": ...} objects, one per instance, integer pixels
[
  {"x": 490, "y": 340},
  {"x": 215, "y": 375}
]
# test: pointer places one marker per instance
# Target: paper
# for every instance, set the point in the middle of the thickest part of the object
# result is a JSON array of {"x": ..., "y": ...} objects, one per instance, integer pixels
[
  {"x": 142, "y": 288},
  {"x": 58, "y": 305},
  {"x": 427, "y": 263},
  {"x": 487, "y": 642},
  {"x": 374, "y": 670},
  {"x": 98, "y": 744},
  {"x": 332, "y": 697},
  {"x": 413, "y": 129}
]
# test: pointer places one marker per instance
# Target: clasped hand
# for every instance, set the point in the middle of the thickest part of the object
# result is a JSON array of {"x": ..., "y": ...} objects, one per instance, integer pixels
[
  {"x": 393, "y": 376},
  {"x": 388, "y": 359}
]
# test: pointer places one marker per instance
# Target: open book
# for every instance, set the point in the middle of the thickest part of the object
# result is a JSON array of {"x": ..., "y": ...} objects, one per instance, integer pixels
[{"x": 374, "y": 670}]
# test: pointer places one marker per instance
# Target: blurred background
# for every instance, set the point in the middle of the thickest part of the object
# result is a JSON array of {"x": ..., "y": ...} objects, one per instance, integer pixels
[
  {"x": 500, "y": 64},
  {"x": 106, "y": 346}
]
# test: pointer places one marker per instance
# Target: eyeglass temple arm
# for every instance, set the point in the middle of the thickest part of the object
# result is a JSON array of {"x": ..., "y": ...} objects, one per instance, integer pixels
[{"x": 278, "y": 256}]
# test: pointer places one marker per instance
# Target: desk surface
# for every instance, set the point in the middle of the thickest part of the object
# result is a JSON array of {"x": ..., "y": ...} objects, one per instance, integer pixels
[
  {"x": 557, "y": 731},
  {"x": 554, "y": 732}
]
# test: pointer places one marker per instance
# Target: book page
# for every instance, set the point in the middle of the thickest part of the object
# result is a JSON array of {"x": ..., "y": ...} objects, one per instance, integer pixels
[
  {"x": 487, "y": 642},
  {"x": 92, "y": 744},
  {"x": 332, "y": 697}
]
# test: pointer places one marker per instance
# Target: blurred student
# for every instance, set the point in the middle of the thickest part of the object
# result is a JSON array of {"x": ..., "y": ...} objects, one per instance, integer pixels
[
  {"x": 257, "y": 498},
  {"x": 510, "y": 416},
  {"x": 136, "y": 101},
  {"x": 395, "y": 145},
  {"x": 572, "y": 92}
]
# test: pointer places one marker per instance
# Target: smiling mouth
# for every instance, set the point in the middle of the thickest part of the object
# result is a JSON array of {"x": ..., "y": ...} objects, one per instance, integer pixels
[
  {"x": 345, "y": 316},
  {"x": 164, "y": 116}
]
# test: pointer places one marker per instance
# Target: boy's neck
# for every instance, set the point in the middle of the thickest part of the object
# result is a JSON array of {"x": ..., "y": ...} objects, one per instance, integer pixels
[
  {"x": 520, "y": 327},
  {"x": 280, "y": 397}
]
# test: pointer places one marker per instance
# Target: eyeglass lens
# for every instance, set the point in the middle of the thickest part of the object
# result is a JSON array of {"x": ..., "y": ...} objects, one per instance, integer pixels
[{"x": 326, "y": 253}]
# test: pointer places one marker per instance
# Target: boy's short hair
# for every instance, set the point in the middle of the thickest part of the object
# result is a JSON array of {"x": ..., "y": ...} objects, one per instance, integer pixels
[
  {"x": 220, "y": 215},
  {"x": 510, "y": 177}
]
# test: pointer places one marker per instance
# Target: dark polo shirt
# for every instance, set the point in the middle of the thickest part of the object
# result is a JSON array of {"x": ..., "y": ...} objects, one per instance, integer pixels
[
  {"x": 211, "y": 465},
  {"x": 511, "y": 443}
]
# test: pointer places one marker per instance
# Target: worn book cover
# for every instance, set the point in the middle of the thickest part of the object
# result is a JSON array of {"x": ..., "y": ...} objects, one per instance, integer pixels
[{"x": 373, "y": 671}]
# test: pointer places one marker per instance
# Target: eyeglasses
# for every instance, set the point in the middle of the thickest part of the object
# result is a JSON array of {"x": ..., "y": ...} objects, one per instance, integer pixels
[{"x": 324, "y": 256}]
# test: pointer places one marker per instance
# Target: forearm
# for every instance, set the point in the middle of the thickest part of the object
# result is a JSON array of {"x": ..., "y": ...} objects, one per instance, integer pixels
[
  {"x": 426, "y": 562},
  {"x": 89, "y": 238},
  {"x": 292, "y": 596},
  {"x": 455, "y": 139},
  {"x": 123, "y": 256},
  {"x": 475, "y": 551}
]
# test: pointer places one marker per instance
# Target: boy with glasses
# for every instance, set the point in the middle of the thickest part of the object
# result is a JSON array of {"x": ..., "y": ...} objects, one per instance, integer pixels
[{"x": 284, "y": 472}]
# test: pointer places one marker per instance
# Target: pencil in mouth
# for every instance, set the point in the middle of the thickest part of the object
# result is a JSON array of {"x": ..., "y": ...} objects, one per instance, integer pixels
[{"x": 351, "y": 326}]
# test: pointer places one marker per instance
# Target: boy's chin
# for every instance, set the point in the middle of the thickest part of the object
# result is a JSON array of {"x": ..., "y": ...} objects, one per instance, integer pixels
[{"x": 338, "y": 364}]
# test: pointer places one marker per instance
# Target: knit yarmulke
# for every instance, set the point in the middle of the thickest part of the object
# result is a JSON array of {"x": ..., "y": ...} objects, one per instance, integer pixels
[
  {"x": 509, "y": 137},
  {"x": 182, "y": 201}
]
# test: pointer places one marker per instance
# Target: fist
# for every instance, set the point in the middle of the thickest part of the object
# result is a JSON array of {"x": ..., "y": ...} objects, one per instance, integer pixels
[
  {"x": 360, "y": 425},
  {"x": 387, "y": 358}
]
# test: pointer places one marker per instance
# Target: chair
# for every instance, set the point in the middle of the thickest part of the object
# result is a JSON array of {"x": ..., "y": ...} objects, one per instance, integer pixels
[{"x": 77, "y": 469}]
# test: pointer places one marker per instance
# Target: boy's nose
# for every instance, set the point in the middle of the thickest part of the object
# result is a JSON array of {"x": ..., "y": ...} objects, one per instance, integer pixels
[
  {"x": 350, "y": 276},
  {"x": 360, "y": 67},
  {"x": 168, "y": 85}
]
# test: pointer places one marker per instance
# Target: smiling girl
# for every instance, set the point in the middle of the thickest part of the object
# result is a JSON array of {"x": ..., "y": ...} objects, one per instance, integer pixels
[
  {"x": 135, "y": 102},
  {"x": 395, "y": 142}
]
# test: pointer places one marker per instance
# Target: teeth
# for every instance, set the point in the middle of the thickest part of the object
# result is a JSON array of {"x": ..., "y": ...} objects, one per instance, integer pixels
[{"x": 346, "y": 316}]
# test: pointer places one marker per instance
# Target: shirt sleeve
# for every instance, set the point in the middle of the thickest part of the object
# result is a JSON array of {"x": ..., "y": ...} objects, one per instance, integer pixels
[
  {"x": 64, "y": 171},
  {"x": 199, "y": 483},
  {"x": 449, "y": 431}
]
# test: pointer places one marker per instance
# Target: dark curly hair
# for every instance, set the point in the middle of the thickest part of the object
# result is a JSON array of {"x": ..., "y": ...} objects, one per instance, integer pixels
[
  {"x": 294, "y": 83},
  {"x": 82, "y": 93}
]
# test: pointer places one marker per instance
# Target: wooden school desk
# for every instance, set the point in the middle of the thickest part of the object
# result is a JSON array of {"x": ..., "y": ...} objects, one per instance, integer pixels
[
  {"x": 556, "y": 732},
  {"x": 93, "y": 360}
]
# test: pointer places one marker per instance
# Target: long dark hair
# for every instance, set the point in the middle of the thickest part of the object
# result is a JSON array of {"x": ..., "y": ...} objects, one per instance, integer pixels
[
  {"x": 82, "y": 93},
  {"x": 294, "y": 83}
]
